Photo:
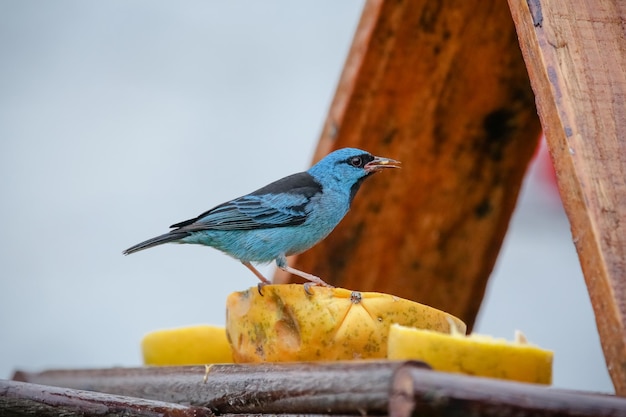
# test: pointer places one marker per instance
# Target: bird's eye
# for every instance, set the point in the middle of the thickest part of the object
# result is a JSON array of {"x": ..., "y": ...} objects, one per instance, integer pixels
[{"x": 356, "y": 161}]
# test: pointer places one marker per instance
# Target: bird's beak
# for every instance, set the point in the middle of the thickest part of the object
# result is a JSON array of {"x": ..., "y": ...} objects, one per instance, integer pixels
[{"x": 381, "y": 163}]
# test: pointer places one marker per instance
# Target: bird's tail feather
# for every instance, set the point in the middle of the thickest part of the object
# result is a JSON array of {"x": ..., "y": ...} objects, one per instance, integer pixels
[{"x": 172, "y": 236}]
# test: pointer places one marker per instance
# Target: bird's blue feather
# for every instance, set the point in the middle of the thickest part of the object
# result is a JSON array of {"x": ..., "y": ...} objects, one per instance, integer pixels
[
  {"x": 254, "y": 212},
  {"x": 279, "y": 204},
  {"x": 283, "y": 218}
]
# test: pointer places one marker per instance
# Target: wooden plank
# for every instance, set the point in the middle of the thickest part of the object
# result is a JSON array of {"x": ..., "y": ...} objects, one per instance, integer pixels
[
  {"x": 575, "y": 51},
  {"x": 442, "y": 87}
]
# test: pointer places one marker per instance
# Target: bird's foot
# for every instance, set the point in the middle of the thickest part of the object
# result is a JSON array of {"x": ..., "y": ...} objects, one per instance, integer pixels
[
  {"x": 307, "y": 287},
  {"x": 313, "y": 280},
  {"x": 260, "y": 286},
  {"x": 264, "y": 281}
]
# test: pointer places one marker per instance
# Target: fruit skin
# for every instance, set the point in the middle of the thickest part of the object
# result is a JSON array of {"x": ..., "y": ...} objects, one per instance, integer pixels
[
  {"x": 191, "y": 345},
  {"x": 287, "y": 324},
  {"x": 473, "y": 355}
]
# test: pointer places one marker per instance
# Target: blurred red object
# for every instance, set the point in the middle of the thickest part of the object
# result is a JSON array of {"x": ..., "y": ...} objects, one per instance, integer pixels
[{"x": 545, "y": 173}]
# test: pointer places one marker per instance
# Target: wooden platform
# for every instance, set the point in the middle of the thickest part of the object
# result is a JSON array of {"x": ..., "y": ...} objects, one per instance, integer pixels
[{"x": 357, "y": 388}]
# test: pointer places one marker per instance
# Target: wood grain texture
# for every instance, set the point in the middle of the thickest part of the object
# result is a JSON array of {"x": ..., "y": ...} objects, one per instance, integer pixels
[
  {"x": 442, "y": 87},
  {"x": 575, "y": 51},
  {"x": 26, "y": 399},
  {"x": 356, "y": 388},
  {"x": 415, "y": 392},
  {"x": 352, "y": 387}
]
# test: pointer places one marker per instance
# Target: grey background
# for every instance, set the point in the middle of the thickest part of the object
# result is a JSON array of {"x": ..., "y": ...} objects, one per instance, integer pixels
[{"x": 119, "y": 118}]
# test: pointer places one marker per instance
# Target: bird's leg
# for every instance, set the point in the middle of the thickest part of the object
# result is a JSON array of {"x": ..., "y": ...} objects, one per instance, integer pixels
[
  {"x": 256, "y": 272},
  {"x": 264, "y": 281},
  {"x": 282, "y": 264}
]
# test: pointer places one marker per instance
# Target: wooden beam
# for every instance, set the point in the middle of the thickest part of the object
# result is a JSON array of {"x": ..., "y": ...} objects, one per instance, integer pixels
[
  {"x": 417, "y": 392},
  {"x": 575, "y": 51},
  {"x": 394, "y": 388},
  {"x": 25, "y": 399},
  {"x": 298, "y": 388},
  {"x": 442, "y": 87}
]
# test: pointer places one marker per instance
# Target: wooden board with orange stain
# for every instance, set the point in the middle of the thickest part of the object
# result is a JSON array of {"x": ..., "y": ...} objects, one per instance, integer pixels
[{"x": 442, "y": 87}]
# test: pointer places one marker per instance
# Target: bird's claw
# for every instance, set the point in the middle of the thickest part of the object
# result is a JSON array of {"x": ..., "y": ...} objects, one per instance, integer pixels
[
  {"x": 260, "y": 286},
  {"x": 307, "y": 286}
]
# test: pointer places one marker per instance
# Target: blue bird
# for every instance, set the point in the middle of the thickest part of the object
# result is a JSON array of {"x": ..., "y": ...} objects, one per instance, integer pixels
[{"x": 286, "y": 217}]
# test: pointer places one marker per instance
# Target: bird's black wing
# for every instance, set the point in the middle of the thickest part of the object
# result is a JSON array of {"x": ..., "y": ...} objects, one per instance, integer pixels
[{"x": 279, "y": 204}]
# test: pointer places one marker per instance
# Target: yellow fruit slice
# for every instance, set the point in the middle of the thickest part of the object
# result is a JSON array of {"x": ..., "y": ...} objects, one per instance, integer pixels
[
  {"x": 287, "y": 324},
  {"x": 474, "y": 354},
  {"x": 192, "y": 345}
]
